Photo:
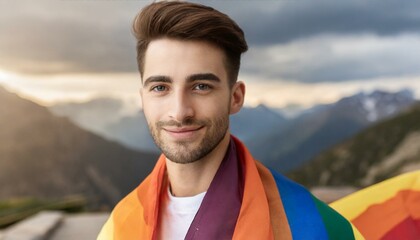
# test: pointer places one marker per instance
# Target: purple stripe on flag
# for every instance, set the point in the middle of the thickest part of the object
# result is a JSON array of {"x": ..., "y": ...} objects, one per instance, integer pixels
[{"x": 217, "y": 215}]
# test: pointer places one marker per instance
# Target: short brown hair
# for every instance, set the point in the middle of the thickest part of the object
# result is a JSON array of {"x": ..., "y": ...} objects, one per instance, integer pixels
[{"x": 190, "y": 21}]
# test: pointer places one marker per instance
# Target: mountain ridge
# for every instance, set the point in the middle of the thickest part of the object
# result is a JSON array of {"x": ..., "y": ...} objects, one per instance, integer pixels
[
  {"x": 45, "y": 156},
  {"x": 315, "y": 131},
  {"x": 379, "y": 152}
]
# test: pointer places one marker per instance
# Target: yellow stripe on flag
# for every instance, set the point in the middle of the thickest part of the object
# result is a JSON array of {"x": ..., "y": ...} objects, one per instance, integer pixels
[{"x": 355, "y": 204}]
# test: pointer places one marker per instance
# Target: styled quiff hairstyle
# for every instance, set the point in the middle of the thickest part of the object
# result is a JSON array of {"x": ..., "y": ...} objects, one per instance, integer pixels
[{"x": 190, "y": 21}]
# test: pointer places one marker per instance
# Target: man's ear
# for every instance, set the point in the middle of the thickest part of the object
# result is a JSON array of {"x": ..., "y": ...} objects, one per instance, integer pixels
[{"x": 237, "y": 98}]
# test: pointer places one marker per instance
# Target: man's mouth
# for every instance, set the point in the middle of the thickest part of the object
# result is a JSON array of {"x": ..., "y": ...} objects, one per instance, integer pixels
[
  {"x": 182, "y": 129},
  {"x": 183, "y": 132}
]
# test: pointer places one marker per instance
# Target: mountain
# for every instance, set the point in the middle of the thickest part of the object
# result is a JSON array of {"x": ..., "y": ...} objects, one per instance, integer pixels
[
  {"x": 105, "y": 116},
  {"x": 290, "y": 111},
  {"x": 45, "y": 156},
  {"x": 379, "y": 152},
  {"x": 322, "y": 126},
  {"x": 132, "y": 131},
  {"x": 250, "y": 123},
  {"x": 94, "y": 115}
]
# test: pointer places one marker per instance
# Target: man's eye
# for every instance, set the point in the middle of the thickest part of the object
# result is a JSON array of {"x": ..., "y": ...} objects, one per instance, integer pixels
[
  {"x": 159, "y": 88},
  {"x": 202, "y": 87}
]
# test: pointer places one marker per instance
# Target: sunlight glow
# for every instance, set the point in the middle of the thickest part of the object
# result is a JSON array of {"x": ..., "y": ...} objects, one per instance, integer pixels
[
  {"x": 48, "y": 90},
  {"x": 283, "y": 93},
  {"x": 5, "y": 76}
]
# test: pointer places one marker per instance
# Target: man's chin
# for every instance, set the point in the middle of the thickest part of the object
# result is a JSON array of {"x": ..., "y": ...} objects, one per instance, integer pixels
[{"x": 181, "y": 158}]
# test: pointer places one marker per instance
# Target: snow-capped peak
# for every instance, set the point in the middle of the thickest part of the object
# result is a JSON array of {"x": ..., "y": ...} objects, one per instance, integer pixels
[{"x": 369, "y": 104}]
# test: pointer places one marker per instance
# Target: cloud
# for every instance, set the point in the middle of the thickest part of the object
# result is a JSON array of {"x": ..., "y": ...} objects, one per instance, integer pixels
[
  {"x": 266, "y": 23},
  {"x": 307, "y": 41},
  {"x": 45, "y": 37},
  {"x": 336, "y": 58}
]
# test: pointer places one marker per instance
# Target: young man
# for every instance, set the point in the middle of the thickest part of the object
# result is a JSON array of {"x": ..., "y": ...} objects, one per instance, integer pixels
[{"x": 206, "y": 185}]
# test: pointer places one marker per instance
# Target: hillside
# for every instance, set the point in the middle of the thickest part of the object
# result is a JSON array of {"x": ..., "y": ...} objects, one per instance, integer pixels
[
  {"x": 262, "y": 119},
  {"x": 133, "y": 132},
  {"x": 45, "y": 156},
  {"x": 323, "y": 126},
  {"x": 377, "y": 153}
]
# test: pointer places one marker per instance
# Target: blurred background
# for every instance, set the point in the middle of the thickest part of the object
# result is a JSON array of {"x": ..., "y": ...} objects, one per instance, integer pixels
[{"x": 332, "y": 97}]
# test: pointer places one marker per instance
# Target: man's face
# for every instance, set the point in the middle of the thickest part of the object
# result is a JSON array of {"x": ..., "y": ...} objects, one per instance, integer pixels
[{"x": 186, "y": 97}]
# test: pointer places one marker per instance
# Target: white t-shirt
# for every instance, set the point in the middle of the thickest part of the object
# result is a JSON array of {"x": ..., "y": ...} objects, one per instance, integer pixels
[{"x": 176, "y": 215}]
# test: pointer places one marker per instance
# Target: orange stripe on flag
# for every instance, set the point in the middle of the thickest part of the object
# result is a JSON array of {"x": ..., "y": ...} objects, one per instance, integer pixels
[
  {"x": 278, "y": 216},
  {"x": 379, "y": 219}
]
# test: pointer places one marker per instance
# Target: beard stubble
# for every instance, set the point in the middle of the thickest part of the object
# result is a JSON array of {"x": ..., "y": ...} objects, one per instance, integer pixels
[{"x": 185, "y": 151}]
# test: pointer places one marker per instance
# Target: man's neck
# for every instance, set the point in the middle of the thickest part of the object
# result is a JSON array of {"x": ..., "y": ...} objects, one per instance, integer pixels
[{"x": 194, "y": 178}]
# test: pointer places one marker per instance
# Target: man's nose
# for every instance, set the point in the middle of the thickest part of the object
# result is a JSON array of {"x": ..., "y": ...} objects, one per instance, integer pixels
[{"x": 181, "y": 106}]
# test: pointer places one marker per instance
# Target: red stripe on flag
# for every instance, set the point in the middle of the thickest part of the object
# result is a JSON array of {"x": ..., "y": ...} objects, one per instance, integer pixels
[{"x": 408, "y": 229}]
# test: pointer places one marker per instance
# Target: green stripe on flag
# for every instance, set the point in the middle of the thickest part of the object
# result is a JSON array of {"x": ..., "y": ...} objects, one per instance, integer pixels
[{"x": 336, "y": 225}]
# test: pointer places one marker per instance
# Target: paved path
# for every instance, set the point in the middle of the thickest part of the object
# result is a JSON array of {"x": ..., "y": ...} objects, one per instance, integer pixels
[
  {"x": 80, "y": 226},
  {"x": 36, "y": 227},
  {"x": 56, "y": 225}
]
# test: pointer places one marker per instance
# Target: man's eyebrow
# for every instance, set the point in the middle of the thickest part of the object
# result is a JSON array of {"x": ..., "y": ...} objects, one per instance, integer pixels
[
  {"x": 203, "y": 76},
  {"x": 163, "y": 79}
]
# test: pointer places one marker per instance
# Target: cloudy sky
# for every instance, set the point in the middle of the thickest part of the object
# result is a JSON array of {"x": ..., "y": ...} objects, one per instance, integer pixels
[{"x": 301, "y": 51}]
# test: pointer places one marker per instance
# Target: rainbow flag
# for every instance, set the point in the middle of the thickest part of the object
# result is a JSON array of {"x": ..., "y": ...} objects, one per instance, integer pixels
[
  {"x": 387, "y": 210},
  {"x": 272, "y": 207}
]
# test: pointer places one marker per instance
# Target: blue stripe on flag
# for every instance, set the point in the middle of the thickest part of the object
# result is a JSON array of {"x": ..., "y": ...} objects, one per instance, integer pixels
[{"x": 304, "y": 219}]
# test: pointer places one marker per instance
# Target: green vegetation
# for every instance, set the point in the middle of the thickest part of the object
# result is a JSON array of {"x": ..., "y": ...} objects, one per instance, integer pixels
[
  {"x": 14, "y": 210},
  {"x": 349, "y": 162}
]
